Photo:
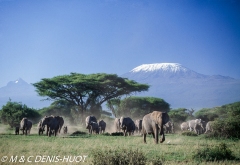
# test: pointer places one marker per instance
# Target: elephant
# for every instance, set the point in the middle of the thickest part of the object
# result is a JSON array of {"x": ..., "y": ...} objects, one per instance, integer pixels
[
  {"x": 138, "y": 126},
  {"x": 41, "y": 128},
  {"x": 52, "y": 125},
  {"x": 25, "y": 126},
  {"x": 117, "y": 124},
  {"x": 196, "y": 125},
  {"x": 201, "y": 128},
  {"x": 169, "y": 127},
  {"x": 90, "y": 119},
  {"x": 60, "y": 121},
  {"x": 94, "y": 127},
  {"x": 17, "y": 130},
  {"x": 127, "y": 125},
  {"x": 209, "y": 127},
  {"x": 102, "y": 126},
  {"x": 65, "y": 129},
  {"x": 184, "y": 126},
  {"x": 153, "y": 124}
]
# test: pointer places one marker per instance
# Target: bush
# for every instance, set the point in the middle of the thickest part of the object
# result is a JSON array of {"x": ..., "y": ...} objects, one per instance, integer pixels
[
  {"x": 76, "y": 133},
  {"x": 228, "y": 127},
  {"x": 117, "y": 134},
  {"x": 105, "y": 134},
  {"x": 13, "y": 112},
  {"x": 220, "y": 152},
  {"x": 213, "y": 135},
  {"x": 189, "y": 133},
  {"x": 118, "y": 157}
]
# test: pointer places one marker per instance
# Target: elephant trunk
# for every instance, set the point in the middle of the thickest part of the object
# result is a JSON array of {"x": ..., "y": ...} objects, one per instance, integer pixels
[{"x": 122, "y": 126}]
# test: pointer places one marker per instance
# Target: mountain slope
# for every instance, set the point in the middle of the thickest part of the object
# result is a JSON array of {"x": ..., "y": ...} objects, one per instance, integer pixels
[
  {"x": 21, "y": 91},
  {"x": 183, "y": 87}
]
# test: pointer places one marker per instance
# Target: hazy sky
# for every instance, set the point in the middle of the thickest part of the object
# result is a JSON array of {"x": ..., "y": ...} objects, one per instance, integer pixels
[{"x": 46, "y": 38}]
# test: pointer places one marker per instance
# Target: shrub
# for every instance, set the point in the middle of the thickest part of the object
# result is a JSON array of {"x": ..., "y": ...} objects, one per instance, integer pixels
[
  {"x": 189, "y": 133},
  {"x": 227, "y": 124},
  {"x": 117, "y": 134},
  {"x": 228, "y": 127},
  {"x": 213, "y": 135},
  {"x": 105, "y": 134},
  {"x": 220, "y": 152},
  {"x": 118, "y": 157},
  {"x": 76, "y": 133},
  {"x": 13, "y": 112}
]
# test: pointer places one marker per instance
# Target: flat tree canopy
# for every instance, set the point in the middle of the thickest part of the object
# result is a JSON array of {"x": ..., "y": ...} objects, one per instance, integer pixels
[
  {"x": 137, "y": 107},
  {"x": 87, "y": 91}
]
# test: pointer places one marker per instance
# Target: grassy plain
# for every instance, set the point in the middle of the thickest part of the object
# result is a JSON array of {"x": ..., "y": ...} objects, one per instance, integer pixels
[{"x": 177, "y": 149}]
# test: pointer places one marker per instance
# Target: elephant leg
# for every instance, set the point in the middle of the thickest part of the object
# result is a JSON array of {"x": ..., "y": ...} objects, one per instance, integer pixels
[
  {"x": 144, "y": 138},
  {"x": 195, "y": 130},
  {"x": 49, "y": 132},
  {"x": 156, "y": 135},
  {"x": 153, "y": 135},
  {"x": 155, "y": 138},
  {"x": 129, "y": 133},
  {"x": 162, "y": 134}
]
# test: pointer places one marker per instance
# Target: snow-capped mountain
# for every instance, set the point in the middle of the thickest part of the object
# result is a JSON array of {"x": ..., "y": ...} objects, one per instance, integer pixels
[
  {"x": 183, "y": 87},
  {"x": 20, "y": 91},
  {"x": 170, "y": 67}
]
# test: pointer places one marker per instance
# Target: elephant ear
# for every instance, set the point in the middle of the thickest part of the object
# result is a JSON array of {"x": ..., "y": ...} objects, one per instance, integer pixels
[
  {"x": 165, "y": 118},
  {"x": 198, "y": 121},
  {"x": 154, "y": 115}
]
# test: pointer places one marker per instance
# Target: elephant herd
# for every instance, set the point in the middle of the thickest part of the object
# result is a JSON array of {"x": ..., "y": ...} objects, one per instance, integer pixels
[
  {"x": 151, "y": 123},
  {"x": 53, "y": 125},
  {"x": 95, "y": 127},
  {"x": 197, "y": 125},
  {"x": 155, "y": 123}
]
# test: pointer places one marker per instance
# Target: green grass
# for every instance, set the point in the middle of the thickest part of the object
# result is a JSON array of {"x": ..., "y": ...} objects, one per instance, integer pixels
[{"x": 177, "y": 149}]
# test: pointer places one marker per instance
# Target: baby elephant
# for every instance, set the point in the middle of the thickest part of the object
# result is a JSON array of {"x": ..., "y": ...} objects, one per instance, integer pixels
[
  {"x": 94, "y": 128},
  {"x": 102, "y": 126},
  {"x": 65, "y": 129},
  {"x": 17, "y": 130}
]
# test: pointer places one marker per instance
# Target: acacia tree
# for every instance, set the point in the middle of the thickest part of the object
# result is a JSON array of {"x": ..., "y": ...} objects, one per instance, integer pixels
[
  {"x": 179, "y": 115},
  {"x": 136, "y": 107},
  {"x": 87, "y": 91}
]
